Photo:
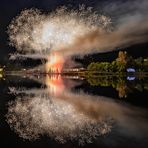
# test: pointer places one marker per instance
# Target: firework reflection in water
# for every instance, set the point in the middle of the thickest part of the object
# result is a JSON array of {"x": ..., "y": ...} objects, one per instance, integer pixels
[
  {"x": 63, "y": 115},
  {"x": 55, "y": 111}
]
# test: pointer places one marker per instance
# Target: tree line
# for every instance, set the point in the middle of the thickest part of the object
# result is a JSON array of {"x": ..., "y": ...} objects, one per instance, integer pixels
[{"x": 119, "y": 65}]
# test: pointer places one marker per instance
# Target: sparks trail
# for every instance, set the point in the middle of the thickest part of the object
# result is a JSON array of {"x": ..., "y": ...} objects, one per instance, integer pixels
[{"x": 47, "y": 34}]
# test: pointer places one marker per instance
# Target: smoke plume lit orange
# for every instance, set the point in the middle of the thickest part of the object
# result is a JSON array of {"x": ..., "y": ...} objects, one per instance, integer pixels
[{"x": 55, "y": 63}]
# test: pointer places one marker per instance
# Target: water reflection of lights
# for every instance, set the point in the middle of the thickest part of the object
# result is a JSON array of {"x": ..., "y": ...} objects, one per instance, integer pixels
[
  {"x": 63, "y": 115},
  {"x": 131, "y": 78},
  {"x": 55, "y": 112},
  {"x": 54, "y": 117}
]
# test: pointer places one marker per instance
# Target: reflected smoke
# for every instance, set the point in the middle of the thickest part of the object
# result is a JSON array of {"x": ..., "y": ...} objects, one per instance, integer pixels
[
  {"x": 64, "y": 115},
  {"x": 51, "y": 111}
]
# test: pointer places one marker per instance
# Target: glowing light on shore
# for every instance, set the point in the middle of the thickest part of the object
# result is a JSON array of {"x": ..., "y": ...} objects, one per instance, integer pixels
[{"x": 54, "y": 64}]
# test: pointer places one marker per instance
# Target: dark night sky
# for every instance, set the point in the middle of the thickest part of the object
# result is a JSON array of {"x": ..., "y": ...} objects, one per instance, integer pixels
[{"x": 10, "y": 8}]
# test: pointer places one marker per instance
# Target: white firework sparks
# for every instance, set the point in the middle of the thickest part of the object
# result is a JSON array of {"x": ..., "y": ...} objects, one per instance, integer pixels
[
  {"x": 79, "y": 31},
  {"x": 57, "y": 118},
  {"x": 37, "y": 35},
  {"x": 61, "y": 116},
  {"x": 33, "y": 30}
]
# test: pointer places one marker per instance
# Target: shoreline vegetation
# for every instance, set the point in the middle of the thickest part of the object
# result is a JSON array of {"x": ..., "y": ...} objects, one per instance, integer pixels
[
  {"x": 125, "y": 74},
  {"x": 123, "y": 64}
]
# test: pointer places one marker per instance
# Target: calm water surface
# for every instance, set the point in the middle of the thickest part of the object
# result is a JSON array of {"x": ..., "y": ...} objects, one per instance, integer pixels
[{"x": 54, "y": 111}]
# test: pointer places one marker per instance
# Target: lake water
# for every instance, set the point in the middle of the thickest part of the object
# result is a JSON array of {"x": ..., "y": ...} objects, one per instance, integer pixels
[{"x": 64, "y": 111}]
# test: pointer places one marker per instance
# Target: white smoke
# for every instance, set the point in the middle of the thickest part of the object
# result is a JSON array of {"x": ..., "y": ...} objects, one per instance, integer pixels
[
  {"x": 33, "y": 30},
  {"x": 130, "y": 21},
  {"x": 71, "y": 116},
  {"x": 59, "y": 118},
  {"x": 80, "y": 31}
]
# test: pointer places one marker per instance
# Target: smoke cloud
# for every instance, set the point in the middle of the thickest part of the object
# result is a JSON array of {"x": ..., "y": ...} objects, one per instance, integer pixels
[
  {"x": 65, "y": 32},
  {"x": 81, "y": 31},
  {"x": 35, "y": 31},
  {"x": 130, "y": 21}
]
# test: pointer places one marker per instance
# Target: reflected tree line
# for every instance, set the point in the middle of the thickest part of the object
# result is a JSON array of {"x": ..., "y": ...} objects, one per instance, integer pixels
[{"x": 121, "y": 84}]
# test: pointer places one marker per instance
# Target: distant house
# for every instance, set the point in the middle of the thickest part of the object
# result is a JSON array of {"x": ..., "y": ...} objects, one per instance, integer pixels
[{"x": 130, "y": 70}]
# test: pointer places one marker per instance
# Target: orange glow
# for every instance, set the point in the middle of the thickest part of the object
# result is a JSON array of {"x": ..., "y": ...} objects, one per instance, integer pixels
[
  {"x": 55, "y": 84},
  {"x": 54, "y": 81},
  {"x": 55, "y": 63}
]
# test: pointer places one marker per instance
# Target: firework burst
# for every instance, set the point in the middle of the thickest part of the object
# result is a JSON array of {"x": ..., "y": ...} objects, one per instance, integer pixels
[{"x": 35, "y": 33}]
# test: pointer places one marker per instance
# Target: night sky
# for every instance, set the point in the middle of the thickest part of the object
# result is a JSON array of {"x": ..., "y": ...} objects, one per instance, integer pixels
[{"x": 10, "y": 8}]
